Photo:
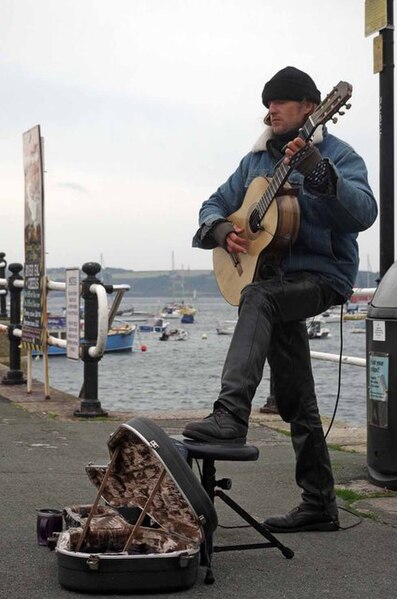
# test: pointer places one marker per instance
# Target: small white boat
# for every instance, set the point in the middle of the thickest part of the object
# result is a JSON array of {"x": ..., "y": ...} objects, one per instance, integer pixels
[
  {"x": 155, "y": 325},
  {"x": 132, "y": 315},
  {"x": 332, "y": 315},
  {"x": 174, "y": 335},
  {"x": 177, "y": 310},
  {"x": 226, "y": 327},
  {"x": 316, "y": 329}
]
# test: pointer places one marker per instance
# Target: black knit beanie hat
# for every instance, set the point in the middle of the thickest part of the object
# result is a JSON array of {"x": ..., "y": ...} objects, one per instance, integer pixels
[{"x": 290, "y": 84}]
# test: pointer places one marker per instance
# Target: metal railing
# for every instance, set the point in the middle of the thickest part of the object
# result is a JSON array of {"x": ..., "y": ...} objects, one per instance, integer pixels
[
  {"x": 317, "y": 355},
  {"x": 357, "y": 291},
  {"x": 271, "y": 407},
  {"x": 98, "y": 349},
  {"x": 105, "y": 315},
  {"x": 92, "y": 352},
  {"x": 98, "y": 319}
]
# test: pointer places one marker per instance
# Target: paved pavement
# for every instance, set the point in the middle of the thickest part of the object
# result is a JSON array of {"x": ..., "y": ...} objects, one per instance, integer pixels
[{"x": 44, "y": 450}]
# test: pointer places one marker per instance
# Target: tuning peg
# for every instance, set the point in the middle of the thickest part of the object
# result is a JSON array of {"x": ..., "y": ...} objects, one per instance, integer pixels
[
  {"x": 334, "y": 119},
  {"x": 341, "y": 112},
  {"x": 348, "y": 106}
]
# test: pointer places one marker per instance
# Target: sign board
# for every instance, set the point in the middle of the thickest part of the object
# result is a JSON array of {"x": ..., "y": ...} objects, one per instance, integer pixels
[
  {"x": 73, "y": 313},
  {"x": 375, "y": 16},
  {"x": 34, "y": 309},
  {"x": 379, "y": 330},
  {"x": 378, "y": 389}
]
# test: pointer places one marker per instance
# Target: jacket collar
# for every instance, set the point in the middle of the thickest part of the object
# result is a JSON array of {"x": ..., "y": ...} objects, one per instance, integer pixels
[{"x": 260, "y": 144}]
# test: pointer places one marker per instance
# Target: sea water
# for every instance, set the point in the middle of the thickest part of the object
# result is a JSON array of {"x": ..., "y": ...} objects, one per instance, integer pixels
[{"x": 185, "y": 375}]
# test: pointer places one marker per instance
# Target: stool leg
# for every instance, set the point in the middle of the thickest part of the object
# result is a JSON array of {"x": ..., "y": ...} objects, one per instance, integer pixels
[
  {"x": 208, "y": 483},
  {"x": 208, "y": 478},
  {"x": 274, "y": 542}
]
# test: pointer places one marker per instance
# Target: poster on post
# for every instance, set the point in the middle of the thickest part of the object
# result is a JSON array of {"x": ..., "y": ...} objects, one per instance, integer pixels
[
  {"x": 34, "y": 310},
  {"x": 73, "y": 313},
  {"x": 378, "y": 389}
]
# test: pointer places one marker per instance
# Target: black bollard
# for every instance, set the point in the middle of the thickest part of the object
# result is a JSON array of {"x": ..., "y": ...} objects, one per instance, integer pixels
[
  {"x": 3, "y": 266},
  {"x": 270, "y": 406},
  {"x": 15, "y": 375},
  {"x": 90, "y": 406}
]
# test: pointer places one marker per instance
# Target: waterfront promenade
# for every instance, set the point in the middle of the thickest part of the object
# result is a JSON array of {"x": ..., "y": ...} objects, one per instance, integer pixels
[{"x": 44, "y": 450}]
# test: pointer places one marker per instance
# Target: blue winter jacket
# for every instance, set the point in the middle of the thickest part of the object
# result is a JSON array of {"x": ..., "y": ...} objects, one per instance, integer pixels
[{"x": 329, "y": 225}]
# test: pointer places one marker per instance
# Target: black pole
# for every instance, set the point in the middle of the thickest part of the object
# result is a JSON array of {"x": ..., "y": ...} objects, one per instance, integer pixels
[
  {"x": 386, "y": 146},
  {"x": 15, "y": 375},
  {"x": 270, "y": 407},
  {"x": 90, "y": 406},
  {"x": 3, "y": 266}
]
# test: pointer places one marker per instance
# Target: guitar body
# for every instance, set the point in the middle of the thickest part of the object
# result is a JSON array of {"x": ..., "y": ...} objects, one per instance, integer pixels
[{"x": 279, "y": 228}]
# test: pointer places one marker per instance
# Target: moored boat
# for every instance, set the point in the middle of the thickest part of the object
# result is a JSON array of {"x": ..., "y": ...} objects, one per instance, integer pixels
[
  {"x": 316, "y": 329},
  {"x": 187, "y": 319},
  {"x": 132, "y": 315},
  {"x": 120, "y": 337},
  {"x": 226, "y": 327},
  {"x": 177, "y": 310},
  {"x": 332, "y": 315},
  {"x": 355, "y": 316},
  {"x": 156, "y": 325},
  {"x": 174, "y": 335},
  {"x": 356, "y": 311}
]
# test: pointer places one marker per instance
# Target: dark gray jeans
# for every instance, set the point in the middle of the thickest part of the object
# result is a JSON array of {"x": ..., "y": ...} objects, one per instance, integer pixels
[{"x": 271, "y": 325}]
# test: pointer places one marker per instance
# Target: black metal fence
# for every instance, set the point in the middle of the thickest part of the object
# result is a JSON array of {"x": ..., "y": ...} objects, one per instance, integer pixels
[{"x": 90, "y": 406}]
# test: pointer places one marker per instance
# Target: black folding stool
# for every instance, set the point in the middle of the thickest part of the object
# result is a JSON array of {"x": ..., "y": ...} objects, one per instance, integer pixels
[{"x": 209, "y": 453}]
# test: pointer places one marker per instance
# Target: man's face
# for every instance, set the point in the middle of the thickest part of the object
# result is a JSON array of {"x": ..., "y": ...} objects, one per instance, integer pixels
[{"x": 286, "y": 115}]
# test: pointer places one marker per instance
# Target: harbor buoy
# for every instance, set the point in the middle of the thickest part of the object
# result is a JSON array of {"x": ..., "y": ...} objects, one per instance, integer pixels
[
  {"x": 204, "y": 336},
  {"x": 143, "y": 347}
]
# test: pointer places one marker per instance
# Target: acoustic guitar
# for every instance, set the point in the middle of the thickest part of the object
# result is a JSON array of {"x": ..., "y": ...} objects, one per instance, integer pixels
[{"x": 270, "y": 214}]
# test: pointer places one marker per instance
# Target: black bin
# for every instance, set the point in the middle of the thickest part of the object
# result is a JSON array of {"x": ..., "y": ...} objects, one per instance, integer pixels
[{"x": 381, "y": 352}]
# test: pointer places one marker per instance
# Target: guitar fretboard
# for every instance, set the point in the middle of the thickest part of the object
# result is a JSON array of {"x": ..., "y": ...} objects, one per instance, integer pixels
[{"x": 281, "y": 174}]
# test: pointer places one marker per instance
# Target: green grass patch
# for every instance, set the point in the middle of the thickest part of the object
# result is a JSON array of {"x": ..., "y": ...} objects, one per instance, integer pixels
[
  {"x": 351, "y": 496},
  {"x": 338, "y": 447},
  {"x": 282, "y": 432}
]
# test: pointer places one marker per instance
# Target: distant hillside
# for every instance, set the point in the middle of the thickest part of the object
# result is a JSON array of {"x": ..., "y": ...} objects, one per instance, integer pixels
[{"x": 179, "y": 284}]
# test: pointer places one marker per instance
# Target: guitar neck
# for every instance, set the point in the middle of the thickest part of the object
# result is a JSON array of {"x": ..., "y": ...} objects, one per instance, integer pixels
[{"x": 282, "y": 172}]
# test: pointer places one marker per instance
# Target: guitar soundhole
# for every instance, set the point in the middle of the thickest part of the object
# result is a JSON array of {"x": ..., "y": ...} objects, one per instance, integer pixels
[{"x": 253, "y": 222}]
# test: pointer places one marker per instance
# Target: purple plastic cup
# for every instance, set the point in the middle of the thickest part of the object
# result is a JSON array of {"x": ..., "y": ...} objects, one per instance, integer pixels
[{"x": 48, "y": 522}]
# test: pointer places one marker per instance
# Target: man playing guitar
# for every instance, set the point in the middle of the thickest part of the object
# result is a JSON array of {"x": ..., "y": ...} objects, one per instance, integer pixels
[{"x": 324, "y": 182}]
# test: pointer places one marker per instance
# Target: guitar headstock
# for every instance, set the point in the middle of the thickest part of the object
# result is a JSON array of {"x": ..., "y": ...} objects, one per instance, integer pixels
[{"x": 332, "y": 104}]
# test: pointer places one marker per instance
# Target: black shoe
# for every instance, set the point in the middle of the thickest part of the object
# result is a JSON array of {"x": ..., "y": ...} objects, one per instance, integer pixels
[
  {"x": 304, "y": 518},
  {"x": 218, "y": 427}
]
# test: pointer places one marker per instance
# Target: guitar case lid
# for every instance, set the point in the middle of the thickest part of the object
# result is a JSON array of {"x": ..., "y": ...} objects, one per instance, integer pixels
[{"x": 147, "y": 457}]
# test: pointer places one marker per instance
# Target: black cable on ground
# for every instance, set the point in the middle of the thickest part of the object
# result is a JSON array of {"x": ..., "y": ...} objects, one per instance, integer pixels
[{"x": 339, "y": 372}]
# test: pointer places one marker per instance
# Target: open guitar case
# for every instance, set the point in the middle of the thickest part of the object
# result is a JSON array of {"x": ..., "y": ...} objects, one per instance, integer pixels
[{"x": 150, "y": 530}]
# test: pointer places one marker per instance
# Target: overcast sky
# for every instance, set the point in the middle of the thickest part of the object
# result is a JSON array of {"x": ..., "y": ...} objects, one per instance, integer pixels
[{"x": 147, "y": 106}]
